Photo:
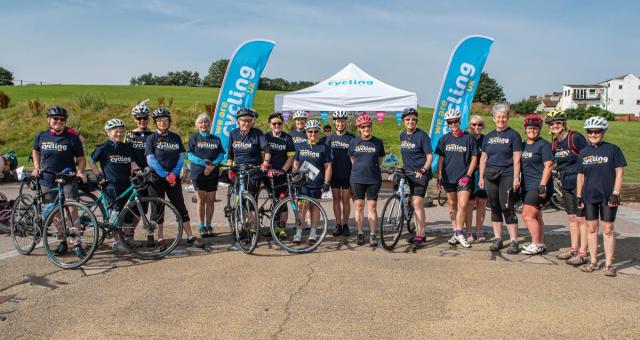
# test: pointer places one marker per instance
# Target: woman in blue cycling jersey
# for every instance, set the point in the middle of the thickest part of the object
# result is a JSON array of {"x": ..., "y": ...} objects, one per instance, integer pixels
[
  {"x": 339, "y": 142},
  {"x": 478, "y": 199}
]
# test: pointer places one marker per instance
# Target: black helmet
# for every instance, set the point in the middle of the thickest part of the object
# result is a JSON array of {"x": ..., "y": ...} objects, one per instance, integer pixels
[
  {"x": 408, "y": 112},
  {"x": 13, "y": 160},
  {"x": 57, "y": 111},
  {"x": 161, "y": 113},
  {"x": 246, "y": 112}
]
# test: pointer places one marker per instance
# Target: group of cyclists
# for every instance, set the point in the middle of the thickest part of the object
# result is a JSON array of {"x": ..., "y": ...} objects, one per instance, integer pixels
[{"x": 499, "y": 167}]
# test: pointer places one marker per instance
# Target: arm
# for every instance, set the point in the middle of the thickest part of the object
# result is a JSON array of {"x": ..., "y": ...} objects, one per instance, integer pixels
[
  {"x": 176, "y": 170},
  {"x": 288, "y": 164},
  {"x": 296, "y": 165},
  {"x": 440, "y": 165},
  {"x": 94, "y": 167},
  {"x": 546, "y": 173},
  {"x": 153, "y": 163},
  {"x": 36, "y": 162},
  {"x": 483, "y": 164},
  {"x": 196, "y": 160},
  {"x": 328, "y": 172},
  {"x": 427, "y": 164},
  {"x": 516, "y": 169},
  {"x": 614, "y": 201},
  {"x": 81, "y": 164},
  {"x": 579, "y": 185},
  {"x": 472, "y": 165}
]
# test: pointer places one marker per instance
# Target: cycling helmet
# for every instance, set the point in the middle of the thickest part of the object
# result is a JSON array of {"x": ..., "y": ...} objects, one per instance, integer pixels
[
  {"x": 340, "y": 114},
  {"x": 408, "y": 112},
  {"x": 533, "y": 120},
  {"x": 299, "y": 114},
  {"x": 363, "y": 119},
  {"x": 555, "y": 115},
  {"x": 452, "y": 114},
  {"x": 13, "y": 160},
  {"x": 598, "y": 123},
  {"x": 246, "y": 112},
  {"x": 161, "y": 113},
  {"x": 57, "y": 111},
  {"x": 113, "y": 123},
  {"x": 141, "y": 110},
  {"x": 312, "y": 124}
]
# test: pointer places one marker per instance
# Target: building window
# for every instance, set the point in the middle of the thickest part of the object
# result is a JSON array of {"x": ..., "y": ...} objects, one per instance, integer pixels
[
  {"x": 592, "y": 90},
  {"x": 638, "y": 102},
  {"x": 619, "y": 87},
  {"x": 621, "y": 101}
]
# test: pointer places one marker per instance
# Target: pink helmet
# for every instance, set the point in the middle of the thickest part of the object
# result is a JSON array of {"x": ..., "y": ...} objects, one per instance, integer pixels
[{"x": 363, "y": 119}]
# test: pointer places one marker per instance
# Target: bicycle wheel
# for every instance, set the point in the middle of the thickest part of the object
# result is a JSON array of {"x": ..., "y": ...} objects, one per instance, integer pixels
[
  {"x": 391, "y": 222},
  {"x": 142, "y": 232},
  {"x": 557, "y": 201},
  {"x": 442, "y": 198},
  {"x": 265, "y": 207},
  {"x": 76, "y": 227},
  {"x": 246, "y": 223},
  {"x": 25, "y": 224},
  {"x": 96, "y": 207},
  {"x": 411, "y": 227},
  {"x": 291, "y": 226}
]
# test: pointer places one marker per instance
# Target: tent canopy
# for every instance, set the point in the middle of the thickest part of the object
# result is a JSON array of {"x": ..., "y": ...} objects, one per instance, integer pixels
[{"x": 350, "y": 89}]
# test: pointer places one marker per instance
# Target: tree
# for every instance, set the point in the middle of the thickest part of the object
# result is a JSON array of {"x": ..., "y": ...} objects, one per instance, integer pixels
[
  {"x": 525, "y": 106},
  {"x": 216, "y": 73},
  {"x": 489, "y": 91},
  {"x": 173, "y": 78},
  {"x": 6, "y": 77}
]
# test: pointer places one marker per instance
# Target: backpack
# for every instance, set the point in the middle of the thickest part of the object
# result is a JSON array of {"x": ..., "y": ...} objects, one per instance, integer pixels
[{"x": 572, "y": 146}]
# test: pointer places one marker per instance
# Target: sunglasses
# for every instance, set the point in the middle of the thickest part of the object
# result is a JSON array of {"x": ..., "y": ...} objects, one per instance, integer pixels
[
  {"x": 142, "y": 118},
  {"x": 450, "y": 122},
  {"x": 59, "y": 119},
  {"x": 162, "y": 120},
  {"x": 365, "y": 127},
  {"x": 276, "y": 123},
  {"x": 244, "y": 120},
  {"x": 477, "y": 125},
  {"x": 411, "y": 119},
  {"x": 595, "y": 132},
  {"x": 313, "y": 132}
]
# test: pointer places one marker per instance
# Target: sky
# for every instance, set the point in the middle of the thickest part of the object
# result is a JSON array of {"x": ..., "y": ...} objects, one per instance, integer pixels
[{"x": 539, "y": 45}]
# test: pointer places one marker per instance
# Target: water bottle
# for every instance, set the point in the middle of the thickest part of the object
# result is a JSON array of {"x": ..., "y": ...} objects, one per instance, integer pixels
[
  {"x": 113, "y": 217},
  {"x": 45, "y": 210}
]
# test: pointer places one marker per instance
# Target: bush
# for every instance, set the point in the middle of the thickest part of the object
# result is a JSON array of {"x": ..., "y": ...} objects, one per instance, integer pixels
[
  {"x": 36, "y": 107},
  {"x": 169, "y": 103},
  {"x": 4, "y": 100},
  {"x": 90, "y": 101},
  {"x": 581, "y": 113},
  {"x": 525, "y": 106}
]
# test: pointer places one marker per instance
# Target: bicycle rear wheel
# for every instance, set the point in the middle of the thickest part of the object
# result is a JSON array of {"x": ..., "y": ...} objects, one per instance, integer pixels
[
  {"x": 144, "y": 230},
  {"x": 265, "y": 208},
  {"x": 25, "y": 224},
  {"x": 292, "y": 208},
  {"x": 76, "y": 227},
  {"x": 391, "y": 222},
  {"x": 91, "y": 202},
  {"x": 246, "y": 223}
]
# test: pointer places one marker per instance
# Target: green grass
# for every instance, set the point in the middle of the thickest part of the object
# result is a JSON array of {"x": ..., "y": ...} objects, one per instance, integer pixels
[{"x": 18, "y": 126}]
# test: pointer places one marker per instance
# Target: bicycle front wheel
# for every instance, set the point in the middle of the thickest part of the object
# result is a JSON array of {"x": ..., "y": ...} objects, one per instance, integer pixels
[
  {"x": 149, "y": 227},
  {"x": 246, "y": 223},
  {"x": 288, "y": 224},
  {"x": 391, "y": 222},
  {"x": 265, "y": 208},
  {"x": 70, "y": 235},
  {"x": 92, "y": 202},
  {"x": 25, "y": 224}
]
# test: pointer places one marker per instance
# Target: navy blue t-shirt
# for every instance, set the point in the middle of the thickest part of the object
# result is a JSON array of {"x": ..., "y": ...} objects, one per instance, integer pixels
[
  {"x": 533, "y": 158},
  {"x": 57, "y": 152},
  {"x": 207, "y": 147},
  {"x": 456, "y": 153},
  {"x": 414, "y": 149},
  {"x": 115, "y": 161},
  {"x": 499, "y": 147},
  {"x": 566, "y": 161},
  {"x": 598, "y": 164},
  {"x": 298, "y": 137},
  {"x": 280, "y": 148},
  {"x": 341, "y": 164},
  {"x": 167, "y": 148},
  {"x": 317, "y": 154},
  {"x": 247, "y": 149},
  {"x": 476, "y": 173},
  {"x": 366, "y": 164},
  {"x": 138, "y": 142}
]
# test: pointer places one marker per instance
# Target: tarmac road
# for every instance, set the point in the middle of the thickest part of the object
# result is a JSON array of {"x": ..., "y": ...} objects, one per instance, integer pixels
[{"x": 340, "y": 291}]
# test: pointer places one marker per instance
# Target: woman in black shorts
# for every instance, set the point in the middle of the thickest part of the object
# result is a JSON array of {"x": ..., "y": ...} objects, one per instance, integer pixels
[
  {"x": 600, "y": 174},
  {"x": 478, "y": 199},
  {"x": 537, "y": 163}
]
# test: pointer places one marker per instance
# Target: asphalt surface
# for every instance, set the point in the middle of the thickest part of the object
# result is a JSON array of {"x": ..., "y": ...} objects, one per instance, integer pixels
[{"x": 340, "y": 291}]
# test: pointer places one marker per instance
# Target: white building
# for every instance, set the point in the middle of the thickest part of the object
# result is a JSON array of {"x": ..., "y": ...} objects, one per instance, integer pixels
[{"x": 620, "y": 95}]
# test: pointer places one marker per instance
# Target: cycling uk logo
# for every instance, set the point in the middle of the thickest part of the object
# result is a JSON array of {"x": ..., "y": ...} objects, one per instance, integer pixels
[
  {"x": 407, "y": 145},
  {"x": 309, "y": 153},
  {"x": 336, "y": 144},
  {"x": 298, "y": 139},
  {"x": 527, "y": 154},
  {"x": 593, "y": 160},
  {"x": 241, "y": 145},
  {"x": 562, "y": 154},
  {"x": 365, "y": 149},
  {"x": 498, "y": 140},
  {"x": 53, "y": 146},
  {"x": 168, "y": 146},
  {"x": 455, "y": 148},
  {"x": 206, "y": 145},
  {"x": 347, "y": 82},
  {"x": 117, "y": 159}
]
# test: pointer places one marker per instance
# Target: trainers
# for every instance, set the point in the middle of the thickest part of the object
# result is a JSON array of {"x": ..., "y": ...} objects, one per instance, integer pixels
[
  {"x": 462, "y": 240},
  {"x": 210, "y": 231},
  {"x": 532, "y": 249},
  {"x": 194, "y": 242},
  {"x": 162, "y": 246},
  {"x": 577, "y": 260},
  {"x": 133, "y": 243},
  {"x": 281, "y": 233},
  {"x": 566, "y": 255},
  {"x": 373, "y": 240},
  {"x": 312, "y": 240},
  {"x": 61, "y": 249},
  {"x": 118, "y": 247},
  {"x": 453, "y": 240},
  {"x": 345, "y": 230},
  {"x": 338, "y": 230},
  {"x": 470, "y": 237},
  {"x": 203, "y": 232},
  {"x": 297, "y": 238},
  {"x": 79, "y": 251},
  {"x": 360, "y": 240},
  {"x": 514, "y": 247},
  {"x": 590, "y": 267},
  {"x": 496, "y": 245},
  {"x": 609, "y": 271},
  {"x": 418, "y": 241}
]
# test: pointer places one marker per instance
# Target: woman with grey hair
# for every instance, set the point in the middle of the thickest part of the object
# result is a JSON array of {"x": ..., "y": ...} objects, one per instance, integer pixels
[
  {"x": 500, "y": 176},
  {"x": 205, "y": 153}
]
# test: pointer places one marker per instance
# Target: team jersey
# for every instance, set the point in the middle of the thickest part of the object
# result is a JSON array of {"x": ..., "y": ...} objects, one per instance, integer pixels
[
  {"x": 115, "y": 161},
  {"x": 499, "y": 147},
  {"x": 366, "y": 160},
  {"x": 341, "y": 164},
  {"x": 138, "y": 142},
  {"x": 598, "y": 164},
  {"x": 456, "y": 153},
  {"x": 566, "y": 159},
  {"x": 57, "y": 152},
  {"x": 247, "y": 148},
  {"x": 317, "y": 154},
  {"x": 205, "y": 148},
  {"x": 414, "y": 149},
  {"x": 533, "y": 158},
  {"x": 166, "y": 147},
  {"x": 280, "y": 148},
  {"x": 298, "y": 137}
]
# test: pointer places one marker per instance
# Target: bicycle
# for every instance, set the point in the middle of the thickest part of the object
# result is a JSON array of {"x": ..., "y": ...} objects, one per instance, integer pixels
[
  {"x": 397, "y": 209},
  {"x": 557, "y": 199},
  {"x": 58, "y": 223},
  {"x": 241, "y": 208}
]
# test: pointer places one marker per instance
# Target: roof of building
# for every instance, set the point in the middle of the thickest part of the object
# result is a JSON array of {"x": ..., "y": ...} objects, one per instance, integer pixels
[
  {"x": 579, "y": 86},
  {"x": 549, "y": 103},
  {"x": 619, "y": 78}
]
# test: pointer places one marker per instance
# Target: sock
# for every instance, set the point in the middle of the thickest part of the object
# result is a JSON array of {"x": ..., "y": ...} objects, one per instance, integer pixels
[
  {"x": 574, "y": 250},
  {"x": 201, "y": 225},
  {"x": 191, "y": 238},
  {"x": 298, "y": 232},
  {"x": 457, "y": 232},
  {"x": 312, "y": 233},
  {"x": 583, "y": 254}
]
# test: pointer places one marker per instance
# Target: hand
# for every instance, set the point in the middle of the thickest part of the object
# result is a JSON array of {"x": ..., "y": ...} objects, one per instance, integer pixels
[
  {"x": 614, "y": 200},
  {"x": 100, "y": 178},
  {"x": 265, "y": 165},
  {"x": 420, "y": 172},
  {"x": 232, "y": 176},
  {"x": 171, "y": 179},
  {"x": 82, "y": 176},
  {"x": 36, "y": 172},
  {"x": 326, "y": 187},
  {"x": 542, "y": 191},
  {"x": 580, "y": 202},
  {"x": 464, "y": 181},
  {"x": 274, "y": 172},
  {"x": 206, "y": 171},
  {"x": 440, "y": 184},
  {"x": 481, "y": 183},
  {"x": 516, "y": 184},
  {"x": 3, "y": 197}
]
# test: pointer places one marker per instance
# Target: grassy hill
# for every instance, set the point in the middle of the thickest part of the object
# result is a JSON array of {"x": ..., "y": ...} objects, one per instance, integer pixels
[{"x": 18, "y": 124}]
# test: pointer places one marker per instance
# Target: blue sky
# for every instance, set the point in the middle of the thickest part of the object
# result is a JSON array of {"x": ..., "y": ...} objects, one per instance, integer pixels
[{"x": 539, "y": 44}]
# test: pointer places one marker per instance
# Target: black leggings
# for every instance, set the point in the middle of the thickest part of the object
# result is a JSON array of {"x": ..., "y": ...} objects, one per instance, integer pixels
[
  {"x": 501, "y": 199},
  {"x": 159, "y": 187}
]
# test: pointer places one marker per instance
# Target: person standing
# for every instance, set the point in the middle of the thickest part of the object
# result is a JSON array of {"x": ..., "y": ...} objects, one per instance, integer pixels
[
  {"x": 479, "y": 196},
  {"x": 339, "y": 142}
]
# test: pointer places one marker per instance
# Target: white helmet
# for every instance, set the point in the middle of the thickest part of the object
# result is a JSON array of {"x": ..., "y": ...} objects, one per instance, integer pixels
[
  {"x": 113, "y": 123},
  {"x": 340, "y": 114},
  {"x": 596, "y": 123},
  {"x": 452, "y": 114},
  {"x": 312, "y": 124},
  {"x": 141, "y": 110},
  {"x": 299, "y": 114}
]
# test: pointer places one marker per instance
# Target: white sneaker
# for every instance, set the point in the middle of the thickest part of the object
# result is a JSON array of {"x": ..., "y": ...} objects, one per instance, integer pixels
[
  {"x": 453, "y": 240},
  {"x": 298, "y": 236},
  {"x": 462, "y": 240},
  {"x": 532, "y": 249}
]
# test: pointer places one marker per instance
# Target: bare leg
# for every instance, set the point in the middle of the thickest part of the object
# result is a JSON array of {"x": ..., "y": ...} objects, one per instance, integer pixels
[
  {"x": 418, "y": 210},
  {"x": 359, "y": 215},
  {"x": 609, "y": 242},
  {"x": 372, "y": 215},
  {"x": 593, "y": 240},
  {"x": 346, "y": 206}
]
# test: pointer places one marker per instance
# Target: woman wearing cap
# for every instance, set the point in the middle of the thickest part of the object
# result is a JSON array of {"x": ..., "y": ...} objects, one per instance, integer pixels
[
  {"x": 600, "y": 175},
  {"x": 457, "y": 161},
  {"x": 566, "y": 147},
  {"x": 319, "y": 156},
  {"x": 366, "y": 153},
  {"x": 205, "y": 154},
  {"x": 339, "y": 142},
  {"x": 165, "y": 155},
  {"x": 417, "y": 155},
  {"x": 537, "y": 162},
  {"x": 479, "y": 196},
  {"x": 500, "y": 176}
]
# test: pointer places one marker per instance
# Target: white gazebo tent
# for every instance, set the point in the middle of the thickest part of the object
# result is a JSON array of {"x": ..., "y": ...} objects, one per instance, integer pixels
[{"x": 351, "y": 89}]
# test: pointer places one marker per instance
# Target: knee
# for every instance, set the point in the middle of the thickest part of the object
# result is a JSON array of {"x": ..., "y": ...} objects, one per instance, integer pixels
[{"x": 607, "y": 229}]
